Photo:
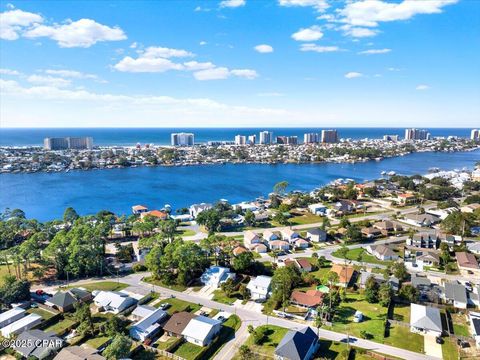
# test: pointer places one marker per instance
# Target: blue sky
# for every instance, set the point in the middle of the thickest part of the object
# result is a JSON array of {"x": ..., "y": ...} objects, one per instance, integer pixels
[{"x": 239, "y": 63}]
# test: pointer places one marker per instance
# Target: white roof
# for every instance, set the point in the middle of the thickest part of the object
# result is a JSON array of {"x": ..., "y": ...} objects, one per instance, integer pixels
[
  {"x": 149, "y": 323},
  {"x": 11, "y": 313},
  {"x": 425, "y": 317},
  {"x": 19, "y": 324},
  {"x": 199, "y": 327},
  {"x": 143, "y": 311},
  {"x": 112, "y": 299},
  {"x": 262, "y": 282}
]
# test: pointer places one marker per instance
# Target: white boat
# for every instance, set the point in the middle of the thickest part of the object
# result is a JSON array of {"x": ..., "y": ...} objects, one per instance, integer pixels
[
  {"x": 391, "y": 173},
  {"x": 383, "y": 173}
]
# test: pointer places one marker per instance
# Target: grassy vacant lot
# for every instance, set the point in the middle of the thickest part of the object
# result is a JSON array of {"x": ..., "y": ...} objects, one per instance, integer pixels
[
  {"x": 103, "y": 285},
  {"x": 150, "y": 280},
  {"x": 178, "y": 305},
  {"x": 353, "y": 254},
  {"x": 43, "y": 313},
  {"x": 460, "y": 325},
  {"x": 274, "y": 336},
  {"x": 308, "y": 218},
  {"x": 61, "y": 326}
]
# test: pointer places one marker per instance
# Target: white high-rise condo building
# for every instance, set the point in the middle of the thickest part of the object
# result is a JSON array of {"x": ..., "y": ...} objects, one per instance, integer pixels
[
  {"x": 475, "y": 135},
  {"x": 329, "y": 136},
  {"x": 310, "y": 138},
  {"x": 240, "y": 140},
  {"x": 417, "y": 134},
  {"x": 266, "y": 137},
  {"x": 252, "y": 139},
  {"x": 182, "y": 139},
  {"x": 64, "y": 143}
]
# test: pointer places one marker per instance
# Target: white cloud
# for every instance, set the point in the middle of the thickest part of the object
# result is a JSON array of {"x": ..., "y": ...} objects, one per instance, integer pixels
[
  {"x": 9, "y": 72},
  {"x": 319, "y": 49},
  {"x": 375, "y": 51},
  {"x": 202, "y": 43},
  {"x": 312, "y": 33},
  {"x": 195, "y": 65},
  {"x": 393, "y": 69},
  {"x": 245, "y": 73},
  {"x": 133, "y": 45},
  {"x": 163, "y": 52},
  {"x": 263, "y": 48},
  {"x": 143, "y": 64},
  {"x": 81, "y": 33},
  {"x": 13, "y": 22},
  {"x": 320, "y": 5},
  {"x": 353, "y": 75},
  {"x": 359, "y": 32},
  {"x": 422, "y": 87},
  {"x": 70, "y": 74},
  {"x": 221, "y": 73},
  {"x": 232, "y": 3},
  {"x": 371, "y": 12},
  {"x": 48, "y": 80}
]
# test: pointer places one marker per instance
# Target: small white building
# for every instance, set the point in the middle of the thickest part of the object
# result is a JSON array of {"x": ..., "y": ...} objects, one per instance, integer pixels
[
  {"x": 11, "y": 316},
  {"x": 425, "y": 320},
  {"x": 201, "y": 330},
  {"x": 113, "y": 302},
  {"x": 216, "y": 275},
  {"x": 317, "y": 209},
  {"x": 382, "y": 252},
  {"x": 259, "y": 287},
  {"x": 196, "y": 209},
  {"x": 21, "y": 325},
  {"x": 148, "y": 326},
  {"x": 316, "y": 235},
  {"x": 289, "y": 235}
]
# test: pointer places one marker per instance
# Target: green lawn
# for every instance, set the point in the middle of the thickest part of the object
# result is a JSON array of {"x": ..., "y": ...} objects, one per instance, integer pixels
[
  {"x": 449, "y": 349},
  {"x": 401, "y": 313},
  {"x": 274, "y": 336},
  {"x": 220, "y": 296},
  {"x": 97, "y": 342},
  {"x": 175, "y": 287},
  {"x": 43, "y": 313},
  {"x": 185, "y": 232},
  {"x": 61, "y": 326},
  {"x": 308, "y": 218},
  {"x": 460, "y": 325},
  {"x": 227, "y": 332},
  {"x": 103, "y": 285},
  {"x": 188, "y": 350},
  {"x": 162, "y": 345},
  {"x": 353, "y": 254},
  {"x": 400, "y": 336},
  {"x": 178, "y": 305}
]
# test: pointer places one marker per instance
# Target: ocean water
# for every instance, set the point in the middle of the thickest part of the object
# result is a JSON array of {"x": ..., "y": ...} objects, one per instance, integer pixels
[
  {"x": 161, "y": 136},
  {"x": 45, "y": 196}
]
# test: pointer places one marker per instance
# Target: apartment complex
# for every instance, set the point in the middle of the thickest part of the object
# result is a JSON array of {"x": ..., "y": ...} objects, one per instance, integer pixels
[
  {"x": 311, "y": 138},
  {"x": 475, "y": 135},
  {"x": 65, "y": 143},
  {"x": 182, "y": 139},
  {"x": 329, "y": 136},
  {"x": 417, "y": 134},
  {"x": 266, "y": 137}
]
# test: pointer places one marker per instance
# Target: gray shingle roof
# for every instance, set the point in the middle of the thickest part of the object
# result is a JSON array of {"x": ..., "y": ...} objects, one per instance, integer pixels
[{"x": 296, "y": 344}]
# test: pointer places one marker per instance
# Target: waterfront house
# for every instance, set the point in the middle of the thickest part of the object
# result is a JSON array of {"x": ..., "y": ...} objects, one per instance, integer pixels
[
  {"x": 310, "y": 299},
  {"x": 382, "y": 252},
  {"x": 216, "y": 275},
  {"x": 456, "y": 294},
  {"x": 23, "y": 324},
  {"x": 467, "y": 263},
  {"x": 251, "y": 238},
  {"x": 148, "y": 326},
  {"x": 196, "y": 209},
  {"x": 259, "y": 287},
  {"x": 162, "y": 215},
  {"x": 113, "y": 302},
  {"x": 297, "y": 345},
  {"x": 425, "y": 320},
  {"x": 474, "y": 319},
  {"x": 316, "y": 235},
  {"x": 11, "y": 316},
  {"x": 37, "y": 344},
  {"x": 78, "y": 353},
  {"x": 289, "y": 235},
  {"x": 317, "y": 209},
  {"x": 138, "y": 209},
  {"x": 201, "y": 330},
  {"x": 345, "y": 274},
  {"x": 177, "y": 323}
]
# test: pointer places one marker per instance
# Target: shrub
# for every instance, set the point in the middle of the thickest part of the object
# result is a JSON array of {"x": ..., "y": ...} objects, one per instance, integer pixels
[{"x": 139, "y": 267}]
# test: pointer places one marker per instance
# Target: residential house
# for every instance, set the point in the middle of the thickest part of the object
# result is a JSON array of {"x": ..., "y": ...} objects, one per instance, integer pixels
[
  {"x": 216, "y": 275},
  {"x": 177, "y": 323},
  {"x": 10, "y": 316},
  {"x": 65, "y": 301},
  {"x": 382, "y": 252},
  {"x": 259, "y": 287},
  {"x": 113, "y": 302},
  {"x": 138, "y": 209},
  {"x": 456, "y": 294},
  {"x": 37, "y": 344},
  {"x": 450, "y": 239},
  {"x": 301, "y": 243},
  {"x": 371, "y": 232},
  {"x": 425, "y": 320},
  {"x": 427, "y": 290},
  {"x": 310, "y": 299},
  {"x": 142, "y": 311},
  {"x": 470, "y": 208},
  {"x": 388, "y": 227},
  {"x": 474, "y": 296},
  {"x": 424, "y": 240},
  {"x": 269, "y": 235},
  {"x": 21, "y": 325},
  {"x": 474, "y": 319},
  {"x": 301, "y": 264},
  {"x": 250, "y": 238},
  {"x": 317, "y": 209},
  {"x": 441, "y": 213},
  {"x": 297, "y": 345},
  {"x": 345, "y": 274},
  {"x": 201, "y": 330},
  {"x": 422, "y": 220},
  {"x": 316, "y": 235},
  {"x": 279, "y": 245},
  {"x": 162, "y": 215},
  {"x": 407, "y": 199},
  {"x": 148, "y": 326},
  {"x": 259, "y": 248},
  {"x": 196, "y": 209},
  {"x": 238, "y": 250},
  {"x": 79, "y": 353},
  {"x": 344, "y": 207},
  {"x": 379, "y": 279},
  {"x": 289, "y": 235},
  {"x": 467, "y": 263},
  {"x": 474, "y": 247}
]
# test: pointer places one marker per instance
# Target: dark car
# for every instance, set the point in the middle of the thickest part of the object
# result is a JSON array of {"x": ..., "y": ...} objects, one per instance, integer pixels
[{"x": 439, "y": 340}]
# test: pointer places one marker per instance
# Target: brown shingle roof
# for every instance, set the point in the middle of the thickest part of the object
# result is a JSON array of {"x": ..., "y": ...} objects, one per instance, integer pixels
[
  {"x": 345, "y": 273},
  {"x": 310, "y": 298},
  {"x": 467, "y": 260},
  {"x": 178, "y": 322}
]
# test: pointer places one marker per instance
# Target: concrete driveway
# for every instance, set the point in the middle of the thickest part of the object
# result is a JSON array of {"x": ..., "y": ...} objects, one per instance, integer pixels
[{"x": 431, "y": 346}]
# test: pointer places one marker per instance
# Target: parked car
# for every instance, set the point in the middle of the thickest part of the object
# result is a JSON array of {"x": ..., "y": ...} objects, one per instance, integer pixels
[
  {"x": 165, "y": 306},
  {"x": 439, "y": 340},
  {"x": 358, "y": 317},
  {"x": 221, "y": 318}
]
